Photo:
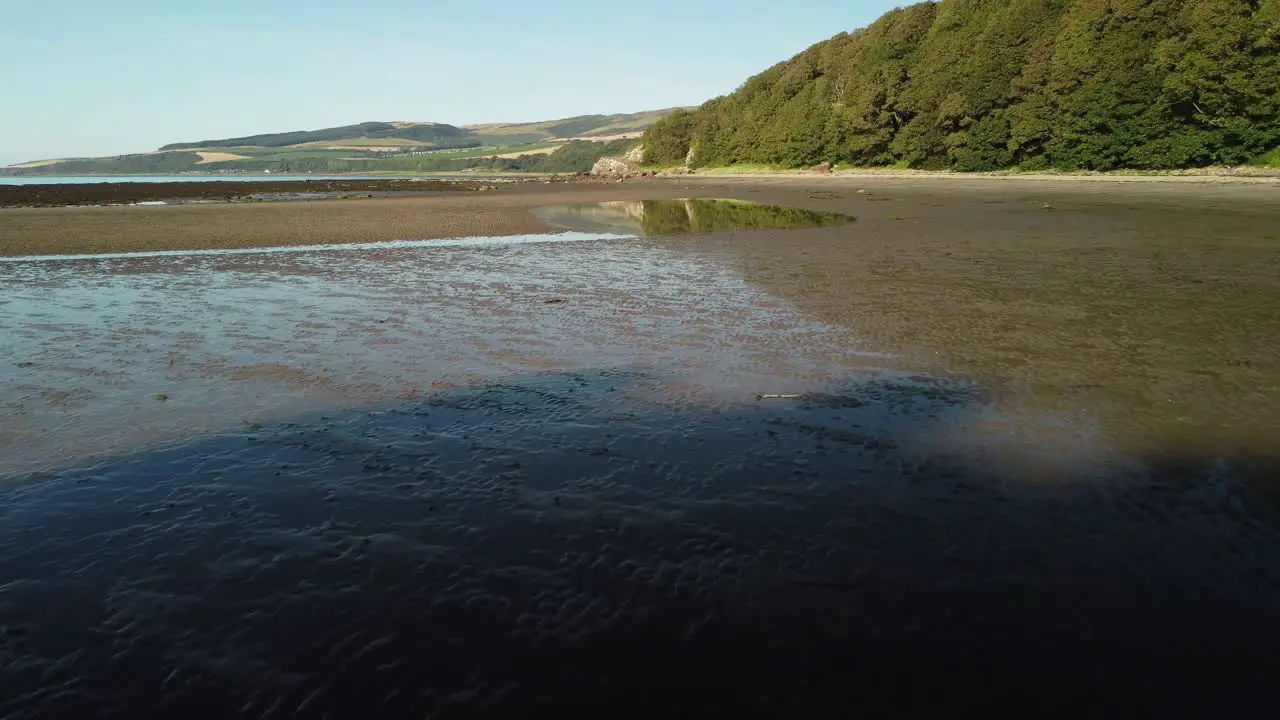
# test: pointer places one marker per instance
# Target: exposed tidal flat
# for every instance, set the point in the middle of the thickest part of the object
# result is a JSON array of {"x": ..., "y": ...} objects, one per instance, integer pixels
[{"x": 1016, "y": 449}]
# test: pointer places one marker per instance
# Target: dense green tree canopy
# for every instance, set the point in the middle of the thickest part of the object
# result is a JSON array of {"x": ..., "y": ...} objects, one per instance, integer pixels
[{"x": 989, "y": 84}]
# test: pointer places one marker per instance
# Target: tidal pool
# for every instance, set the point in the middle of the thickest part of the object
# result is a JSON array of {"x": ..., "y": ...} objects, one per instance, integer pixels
[
  {"x": 685, "y": 216},
  {"x": 459, "y": 479},
  {"x": 240, "y": 337}
]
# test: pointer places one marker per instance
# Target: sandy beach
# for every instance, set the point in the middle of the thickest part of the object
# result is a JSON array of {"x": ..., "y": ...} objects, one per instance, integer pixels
[
  {"x": 972, "y": 209},
  {"x": 994, "y": 278},
  {"x": 993, "y": 444}
]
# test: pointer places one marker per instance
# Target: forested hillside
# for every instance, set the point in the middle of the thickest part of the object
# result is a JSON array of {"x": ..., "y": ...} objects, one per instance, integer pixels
[{"x": 989, "y": 84}]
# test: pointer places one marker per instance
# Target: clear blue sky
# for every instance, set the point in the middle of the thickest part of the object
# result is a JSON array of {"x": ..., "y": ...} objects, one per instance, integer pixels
[{"x": 92, "y": 77}]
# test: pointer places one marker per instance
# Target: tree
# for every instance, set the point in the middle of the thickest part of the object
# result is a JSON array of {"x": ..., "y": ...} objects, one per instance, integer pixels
[{"x": 986, "y": 84}]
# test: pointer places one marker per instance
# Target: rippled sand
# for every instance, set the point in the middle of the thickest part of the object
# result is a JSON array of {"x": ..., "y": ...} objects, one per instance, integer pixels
[{"x": 1024, "y": 459}]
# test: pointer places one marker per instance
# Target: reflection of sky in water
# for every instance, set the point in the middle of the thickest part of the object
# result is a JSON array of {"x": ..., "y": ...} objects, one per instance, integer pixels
[
  {"x": 240, "y": 337},
  {"x": 390, "y": 245},
  {"x": 684, "y": 216}
]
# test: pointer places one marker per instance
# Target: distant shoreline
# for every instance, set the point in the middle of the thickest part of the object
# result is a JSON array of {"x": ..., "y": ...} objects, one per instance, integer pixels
[
  {"x": 108, "y": 193},
  {"x": 1240, "y": 174},
  {"x": 908, "y": 209}
]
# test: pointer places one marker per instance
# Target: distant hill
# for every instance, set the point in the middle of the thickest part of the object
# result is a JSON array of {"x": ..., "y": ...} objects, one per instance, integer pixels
[
  {"x": 581, "y": 126},
  {"x": 564, "y": 145},
  {"x": 990, "y": 84},
  {"x": 434, "y": 133},
  {"x": 441, "y": 135}
]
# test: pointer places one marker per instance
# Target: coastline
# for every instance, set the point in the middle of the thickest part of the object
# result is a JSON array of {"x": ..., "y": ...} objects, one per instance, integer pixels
[
  {"x": 1006, "y": 420},
  {"x": 218, "y": 191},
  {"x": 1242, "y": 173},
  {"x": 899, "y": 207}
]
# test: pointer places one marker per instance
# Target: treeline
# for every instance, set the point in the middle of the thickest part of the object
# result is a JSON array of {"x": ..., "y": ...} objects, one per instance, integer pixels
[
  {"x": 978, "y": 85},
  {"x": 678, "y": 217},
  {"x": 441, "y": 135}
]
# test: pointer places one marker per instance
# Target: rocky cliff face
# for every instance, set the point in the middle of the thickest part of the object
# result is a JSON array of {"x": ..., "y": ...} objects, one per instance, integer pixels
[
  {"x": 625, "y": 165},
  {"x": 691, "y": 157},
  {"x": 612, "y": 166}
]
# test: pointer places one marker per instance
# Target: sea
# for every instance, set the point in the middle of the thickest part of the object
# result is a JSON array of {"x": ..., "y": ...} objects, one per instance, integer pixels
[{"x": 87, "y": 179}]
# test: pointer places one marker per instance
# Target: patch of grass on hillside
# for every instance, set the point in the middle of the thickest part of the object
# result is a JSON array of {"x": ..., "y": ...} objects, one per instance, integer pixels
[
  {"x": 491, "y": 150},
  {"x": 143, "y": 164},
  {"x": 367, "y": 142},
  {"x": 522, "y": 137},
  {"x": 1271, "y": 159},
  {"x": 299, "y": 154},
  {"x": 440, "y": 134},
  {"x": 577, "y": 126},
  {"x": 632, "y": 123},
  {"x": 247, "y": 151},
  {"x": 584, "y": 126}
]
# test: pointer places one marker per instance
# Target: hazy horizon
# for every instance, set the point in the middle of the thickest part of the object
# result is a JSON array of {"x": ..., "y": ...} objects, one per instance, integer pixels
[{"x": 106, "y": 79}]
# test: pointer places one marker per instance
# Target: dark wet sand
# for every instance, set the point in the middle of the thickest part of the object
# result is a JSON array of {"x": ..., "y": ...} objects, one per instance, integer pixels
[
  {"x": 976, "y": 213},
  {"x": 1032, "y": 466}
]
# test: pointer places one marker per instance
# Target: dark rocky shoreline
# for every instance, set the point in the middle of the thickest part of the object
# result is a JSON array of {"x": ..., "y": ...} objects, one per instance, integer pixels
[{"x": 124, "y": 193}]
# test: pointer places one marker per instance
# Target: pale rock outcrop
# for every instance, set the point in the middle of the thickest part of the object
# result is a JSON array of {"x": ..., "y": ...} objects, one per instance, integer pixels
[
  {"x": 612, "y": 166},
  {"x": 628, "y": 164}
]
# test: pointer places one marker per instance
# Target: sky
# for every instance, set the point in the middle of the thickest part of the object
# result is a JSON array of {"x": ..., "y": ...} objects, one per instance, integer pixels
[{"x": 85, "y": 78}]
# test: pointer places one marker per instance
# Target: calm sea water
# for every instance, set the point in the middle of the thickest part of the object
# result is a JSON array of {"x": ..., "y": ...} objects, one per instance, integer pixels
[{"x": 86, "y": 179}]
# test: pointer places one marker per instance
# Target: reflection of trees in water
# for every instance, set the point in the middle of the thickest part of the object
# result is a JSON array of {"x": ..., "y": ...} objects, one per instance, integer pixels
[
  {"x": 676, "y": 217},
  {"x": 687, "y": 216},
  {"x": 632, "y": 209}
]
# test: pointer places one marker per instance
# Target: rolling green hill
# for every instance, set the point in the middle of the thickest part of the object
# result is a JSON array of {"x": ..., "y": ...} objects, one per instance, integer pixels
[
  {"x": 565, "y": 145},
  {"x": 581, "y": 126},
  {"x": 980, "y": 85},
  {"x": 433, "y": 133}
]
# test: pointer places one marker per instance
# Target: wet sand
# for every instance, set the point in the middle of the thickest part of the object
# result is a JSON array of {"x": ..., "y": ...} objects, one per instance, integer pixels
[
  {"x": 976, "y": 212},
  {"x": 1024, "y": 459}
]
